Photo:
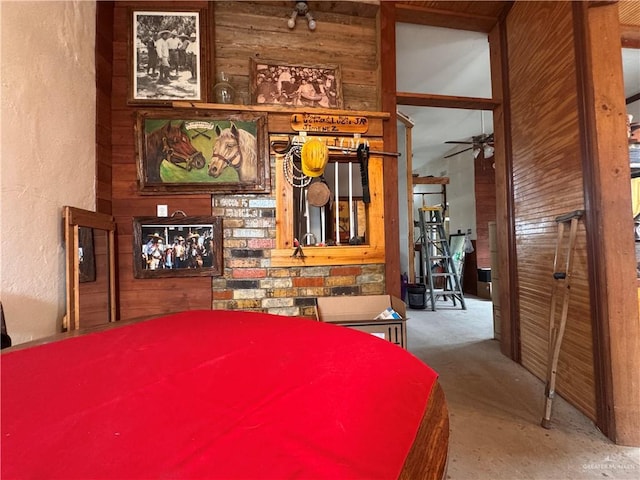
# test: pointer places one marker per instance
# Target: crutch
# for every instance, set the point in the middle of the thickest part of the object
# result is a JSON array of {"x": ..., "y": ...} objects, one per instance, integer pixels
[{"x": 561, "y": 286}]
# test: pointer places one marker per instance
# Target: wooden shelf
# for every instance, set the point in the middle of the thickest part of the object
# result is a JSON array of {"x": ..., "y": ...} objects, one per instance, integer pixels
[{"x": 279, "y": 109}]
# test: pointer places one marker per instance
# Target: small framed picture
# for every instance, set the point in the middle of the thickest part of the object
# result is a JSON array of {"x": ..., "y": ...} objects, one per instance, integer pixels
[
  {"x": 168, "y": 52},
  {"x": 177, "y": 247},
  {"x": 274, "y": 83},
  {"x": 191, "y": 151}
]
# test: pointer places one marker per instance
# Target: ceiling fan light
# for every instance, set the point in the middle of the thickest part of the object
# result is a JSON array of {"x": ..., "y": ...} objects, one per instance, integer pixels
[
  {"x": 488, "y": 151},
  {"x": 476, "y": 152}
]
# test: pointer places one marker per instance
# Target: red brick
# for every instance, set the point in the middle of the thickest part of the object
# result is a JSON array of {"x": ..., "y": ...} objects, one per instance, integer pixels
[
  {"x": 350, "y": 270},
  {"x": 249, "y": 273},
  {"x": 222, "y": 294},
  {"x": 308, "y": 282},
  {"x": 261, "y": 243}
]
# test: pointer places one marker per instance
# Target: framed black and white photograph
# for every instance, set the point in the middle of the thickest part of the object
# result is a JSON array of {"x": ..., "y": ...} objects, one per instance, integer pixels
[
  {"x": 177, "y": 247},
  {"x": 274, "y": 83},
  {"x": 167, "y": 56}
]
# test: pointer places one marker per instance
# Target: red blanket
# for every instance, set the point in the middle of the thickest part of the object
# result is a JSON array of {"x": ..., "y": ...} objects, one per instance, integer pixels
[{"x": 212, "y": 394}]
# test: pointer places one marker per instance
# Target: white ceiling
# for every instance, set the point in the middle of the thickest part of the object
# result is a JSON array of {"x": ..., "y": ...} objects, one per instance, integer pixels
[{"x": 456, "y": 62}]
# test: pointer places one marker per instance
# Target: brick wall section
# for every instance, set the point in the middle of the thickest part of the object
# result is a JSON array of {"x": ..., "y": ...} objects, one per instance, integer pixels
[{"x": 250, "y": 283}]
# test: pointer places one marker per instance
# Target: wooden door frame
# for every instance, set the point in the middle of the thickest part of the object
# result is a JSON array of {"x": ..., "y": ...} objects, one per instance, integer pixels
[
  {"x": 510, "y": 341},
  {"x": 612, "y": 278}
]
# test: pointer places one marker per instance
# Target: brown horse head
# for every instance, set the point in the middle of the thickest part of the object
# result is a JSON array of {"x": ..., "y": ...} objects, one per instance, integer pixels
[{"x": 177, "y": 148}]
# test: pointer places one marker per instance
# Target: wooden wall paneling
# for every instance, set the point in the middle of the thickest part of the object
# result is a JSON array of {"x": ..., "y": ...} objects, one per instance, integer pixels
[
  {"x": 629, "y": 15},
  {"x": 548, "y": 181},
  {"x": 143, "y": 297},
  {"x": 607, "y": 173},
  {"x": 247, "y": 30},
  {"x": 470, "y": 272},
  {"x": 485, "y": 194},
  {"x": 241, "y": 30},
  {"x": 485, "y": 188}
]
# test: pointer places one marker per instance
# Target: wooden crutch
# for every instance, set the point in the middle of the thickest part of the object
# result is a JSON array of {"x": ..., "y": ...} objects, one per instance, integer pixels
[{"x": 561, "y": 285}]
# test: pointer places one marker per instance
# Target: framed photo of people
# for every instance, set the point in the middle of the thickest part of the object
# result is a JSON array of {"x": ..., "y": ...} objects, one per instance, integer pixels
[
  {"x": 168, "y": 49},
  {"x": 185, "y": 151},
  {"x": 177, "y": 247},
  {"x": 274, "y": 83}
]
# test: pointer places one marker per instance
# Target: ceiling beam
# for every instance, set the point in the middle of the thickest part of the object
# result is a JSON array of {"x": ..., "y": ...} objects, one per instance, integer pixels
[
  {"x": 630, "y": 35},
  {"x": 444, "y": 18},
  {"x": 633, "y": 98},
  {"x": 445, "y": 101}
]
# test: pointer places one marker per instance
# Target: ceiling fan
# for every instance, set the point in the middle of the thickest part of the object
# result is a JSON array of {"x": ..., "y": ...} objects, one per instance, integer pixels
[{"x": 480, "y": 142}]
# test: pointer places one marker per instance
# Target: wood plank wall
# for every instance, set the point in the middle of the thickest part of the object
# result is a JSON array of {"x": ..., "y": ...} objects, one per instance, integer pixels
[
  {"x": 245, "y": 30},
  {"x": 346, "y": 35},
  {"x": 143, "y": 297},
  {"x": 547, "y": 180},
  {"x": 485, "y": 188}
]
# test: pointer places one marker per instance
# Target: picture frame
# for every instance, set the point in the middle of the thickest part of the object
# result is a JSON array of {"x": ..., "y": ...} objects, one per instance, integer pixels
[
  {"x": 176, "y": 73},
  {"x": 359, "y": 211},
  {"x": 299, "y": 85},
  {"x": 190, "y": 151},
  {"x": 177, "y": 247}
]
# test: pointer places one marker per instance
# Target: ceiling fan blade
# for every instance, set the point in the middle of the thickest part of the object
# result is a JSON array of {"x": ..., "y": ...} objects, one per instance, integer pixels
[
  {"x": 461, "y": 151},
  {"x": 459, "y": 143}
]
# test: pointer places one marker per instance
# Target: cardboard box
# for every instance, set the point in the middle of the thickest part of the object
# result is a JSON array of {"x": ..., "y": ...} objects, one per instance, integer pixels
[
  {"x": 360, "y": 312},
  {"x": 484, "y": 290},
  {"x": 355, "y": 308}
]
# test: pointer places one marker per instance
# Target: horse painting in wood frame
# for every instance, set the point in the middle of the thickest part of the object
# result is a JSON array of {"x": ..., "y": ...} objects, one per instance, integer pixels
[{"x": 190, "y": 151}]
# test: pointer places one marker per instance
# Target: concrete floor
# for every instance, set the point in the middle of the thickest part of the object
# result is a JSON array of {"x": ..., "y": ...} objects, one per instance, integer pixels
[{"x": 495, "y": 407}]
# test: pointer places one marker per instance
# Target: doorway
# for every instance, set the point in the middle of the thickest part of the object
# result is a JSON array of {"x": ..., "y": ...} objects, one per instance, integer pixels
[{"x": 454, "y": 144}]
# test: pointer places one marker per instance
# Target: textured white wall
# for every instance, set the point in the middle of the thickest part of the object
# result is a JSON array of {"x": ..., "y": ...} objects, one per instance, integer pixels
[{"x": 47, "y": 153}]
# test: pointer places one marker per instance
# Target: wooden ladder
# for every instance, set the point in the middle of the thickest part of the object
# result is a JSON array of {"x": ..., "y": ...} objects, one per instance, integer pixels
[{"x": 436, "y": 251}]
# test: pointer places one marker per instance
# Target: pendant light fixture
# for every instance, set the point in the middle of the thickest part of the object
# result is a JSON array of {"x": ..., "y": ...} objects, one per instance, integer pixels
[{"x": 301, "y": 8}]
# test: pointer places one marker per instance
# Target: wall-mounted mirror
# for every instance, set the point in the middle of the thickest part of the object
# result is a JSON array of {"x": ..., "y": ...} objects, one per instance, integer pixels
[{"x": 90, "y": 265}]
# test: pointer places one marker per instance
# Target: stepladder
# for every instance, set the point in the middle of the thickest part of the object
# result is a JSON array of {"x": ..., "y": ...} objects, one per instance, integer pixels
[
  {"x": 559, "y": 306},
  {"x": 440, "y": 276}
]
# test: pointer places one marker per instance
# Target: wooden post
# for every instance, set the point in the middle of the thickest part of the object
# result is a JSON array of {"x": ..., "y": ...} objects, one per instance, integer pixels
[{"x": 408, "y": 124}]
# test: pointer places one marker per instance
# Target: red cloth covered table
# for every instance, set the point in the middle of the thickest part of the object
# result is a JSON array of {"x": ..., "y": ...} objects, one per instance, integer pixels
[{"x": 212, "y": 394}]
